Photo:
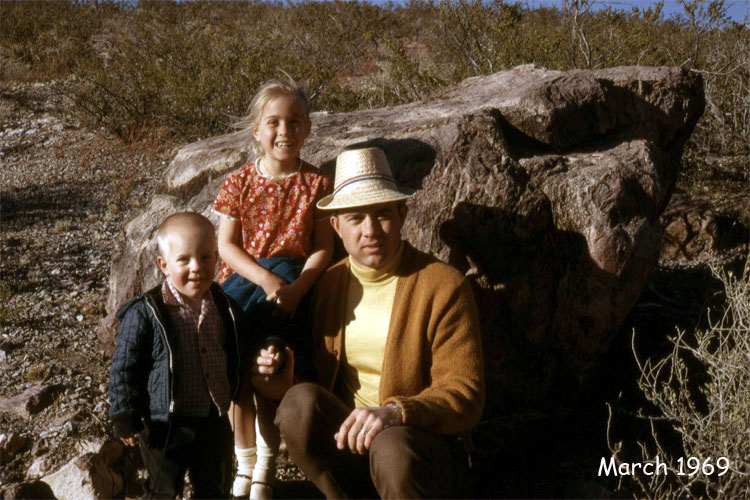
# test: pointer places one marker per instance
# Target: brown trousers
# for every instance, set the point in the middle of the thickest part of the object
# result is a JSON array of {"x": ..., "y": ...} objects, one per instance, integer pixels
[{"x": 403, "y": 462}]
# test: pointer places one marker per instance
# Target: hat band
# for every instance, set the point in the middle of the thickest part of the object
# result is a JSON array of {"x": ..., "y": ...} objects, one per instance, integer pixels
[{"x": 364, "y": 177}]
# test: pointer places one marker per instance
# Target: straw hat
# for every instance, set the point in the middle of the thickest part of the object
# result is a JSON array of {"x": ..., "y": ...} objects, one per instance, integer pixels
[{"x": 363, "y": 177}]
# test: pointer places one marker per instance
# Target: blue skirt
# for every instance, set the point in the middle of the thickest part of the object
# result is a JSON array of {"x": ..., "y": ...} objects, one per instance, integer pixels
[
  {"x": 249, "y": 295},
  {"x": 292, "y": 331}
]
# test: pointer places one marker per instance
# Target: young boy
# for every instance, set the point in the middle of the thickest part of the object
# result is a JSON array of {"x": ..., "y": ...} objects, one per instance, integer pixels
[{"x": 176, "y": 366}]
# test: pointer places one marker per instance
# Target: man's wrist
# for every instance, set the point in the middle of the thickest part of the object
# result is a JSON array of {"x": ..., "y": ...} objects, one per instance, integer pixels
[{"x": 395, "y": 406}]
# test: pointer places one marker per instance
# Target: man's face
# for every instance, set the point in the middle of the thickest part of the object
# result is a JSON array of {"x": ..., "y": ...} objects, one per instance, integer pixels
[
  {"x": 371, "y": 234},
  {"x": 190, "y": 262}
]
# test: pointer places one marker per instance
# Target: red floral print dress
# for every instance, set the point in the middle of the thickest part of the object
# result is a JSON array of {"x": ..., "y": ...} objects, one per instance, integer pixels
[{"x": 276, "y": 214}]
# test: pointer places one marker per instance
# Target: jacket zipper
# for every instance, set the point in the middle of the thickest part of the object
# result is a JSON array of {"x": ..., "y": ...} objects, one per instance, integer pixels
[
  {"x": 169, "y": 348},
  {"x": 237, "y": 348}
]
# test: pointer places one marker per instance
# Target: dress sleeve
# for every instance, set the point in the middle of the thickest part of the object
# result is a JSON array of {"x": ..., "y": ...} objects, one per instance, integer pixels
[
  {"x": 228, "y": 201},
  {"x": 324, "y": 189}
]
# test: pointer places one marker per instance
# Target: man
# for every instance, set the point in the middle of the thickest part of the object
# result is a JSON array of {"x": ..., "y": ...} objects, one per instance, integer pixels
[{"x": 397, "y": 354}]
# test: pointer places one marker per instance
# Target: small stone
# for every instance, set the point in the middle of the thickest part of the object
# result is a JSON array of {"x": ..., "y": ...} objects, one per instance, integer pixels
[
  {"x": 11, "y": 443},
  {"x": 39, "y": 467},
  {"x": 40, "y": 447},
  {"x": 31, "y": 401}
]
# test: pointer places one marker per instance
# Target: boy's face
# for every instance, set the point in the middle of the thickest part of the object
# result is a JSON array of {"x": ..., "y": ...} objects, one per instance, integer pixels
[
  {"x": 190, "y": 261},
  {"x": 371, "y": 234},
  {"x": 282, "y": 129}
]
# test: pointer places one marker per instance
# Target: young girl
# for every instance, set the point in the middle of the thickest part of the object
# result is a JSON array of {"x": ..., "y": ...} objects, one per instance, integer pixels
[{"x": 273, "y": 248}]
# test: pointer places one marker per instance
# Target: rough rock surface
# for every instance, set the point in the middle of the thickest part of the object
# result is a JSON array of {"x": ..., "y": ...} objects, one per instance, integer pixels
[
  {"x": 10, "y": 444},
  {"x": 31, "y": 401},
  {"x": 30, "y": 489},
  {"x": 698, "y": 228},
  {"x": 544, "y": 187},
  {"x": 85, "y": 477}
]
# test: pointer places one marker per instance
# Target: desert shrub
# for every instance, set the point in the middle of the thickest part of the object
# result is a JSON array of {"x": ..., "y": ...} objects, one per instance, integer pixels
[
  {"x": 332, "y": 44},
  {"x": 474, "y": 37},
  {"x": 701, "y": 406},
  {"x": 194, "y": 67},
  {"x": 409, "y": 79},
  {"x": 190, "y": 67},
  {"x": 479, "y": 36},
  {"x": 725, "y": 125},
  {"x": 185, "y": 67},
  {"x": 49, "y": 37}
]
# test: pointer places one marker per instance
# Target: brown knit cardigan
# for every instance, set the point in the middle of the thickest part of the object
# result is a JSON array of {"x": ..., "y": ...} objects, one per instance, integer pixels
[{"x": 433, "y": 354}]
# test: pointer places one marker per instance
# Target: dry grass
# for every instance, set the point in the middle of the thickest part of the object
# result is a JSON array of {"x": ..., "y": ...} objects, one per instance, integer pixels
[
  {"x": 187, "y": 69},
  {"x": 701, "y": 406}
]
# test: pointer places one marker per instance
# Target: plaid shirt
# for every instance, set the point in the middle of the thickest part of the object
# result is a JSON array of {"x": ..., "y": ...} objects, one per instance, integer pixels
[{"x": 200, "y": 361}]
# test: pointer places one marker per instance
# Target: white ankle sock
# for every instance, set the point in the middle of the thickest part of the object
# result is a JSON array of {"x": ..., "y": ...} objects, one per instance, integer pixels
[
  {"x": 245, "y": 463},
  {"x": 267, "y": 443},
  {"x": 245, "y": 460}
]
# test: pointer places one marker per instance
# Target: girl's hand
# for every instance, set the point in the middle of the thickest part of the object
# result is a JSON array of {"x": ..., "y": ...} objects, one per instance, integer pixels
[
  {"x": 272, "y": 283},
  {"x": 286, "y": 298}
]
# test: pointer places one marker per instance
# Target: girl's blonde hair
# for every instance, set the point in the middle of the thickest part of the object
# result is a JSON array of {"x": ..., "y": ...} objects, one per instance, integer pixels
[{"x": 270, "y": 90}]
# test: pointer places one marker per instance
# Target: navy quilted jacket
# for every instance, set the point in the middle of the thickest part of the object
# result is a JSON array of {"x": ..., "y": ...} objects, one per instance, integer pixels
[{"x": 141, "y": 378}]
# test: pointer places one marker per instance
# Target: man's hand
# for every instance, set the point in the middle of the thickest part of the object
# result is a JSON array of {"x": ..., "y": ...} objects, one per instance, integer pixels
[
  {"x": 266, "y": 380},
  {"x": 129, "y": 441},
  {"x": 363, "y": 424}
]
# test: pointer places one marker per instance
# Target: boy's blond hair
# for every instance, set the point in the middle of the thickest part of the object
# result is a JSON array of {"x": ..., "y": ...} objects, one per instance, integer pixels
[
  {"x": 178, "y": 221},
  {"x": 268, "y": 91}
]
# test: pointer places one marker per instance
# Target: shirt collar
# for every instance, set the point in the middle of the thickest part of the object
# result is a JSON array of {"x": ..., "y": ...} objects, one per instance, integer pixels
[{"x": 172, "y": 296}]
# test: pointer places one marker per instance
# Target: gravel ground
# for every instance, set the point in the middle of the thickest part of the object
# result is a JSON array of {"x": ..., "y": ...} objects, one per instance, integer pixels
[{"x": 65, "y": 193}]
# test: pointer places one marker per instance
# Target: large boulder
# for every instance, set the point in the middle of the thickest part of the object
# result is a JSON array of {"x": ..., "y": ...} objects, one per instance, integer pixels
[{"x": 544, "y": 187}]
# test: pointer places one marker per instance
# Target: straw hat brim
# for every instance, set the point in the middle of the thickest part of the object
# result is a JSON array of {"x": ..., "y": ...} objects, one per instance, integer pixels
[{"x": 363, "y": 197}]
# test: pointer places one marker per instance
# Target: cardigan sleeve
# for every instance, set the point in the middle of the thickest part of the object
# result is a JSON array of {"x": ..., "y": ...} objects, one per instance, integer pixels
[{"x": 452, "y": 396}]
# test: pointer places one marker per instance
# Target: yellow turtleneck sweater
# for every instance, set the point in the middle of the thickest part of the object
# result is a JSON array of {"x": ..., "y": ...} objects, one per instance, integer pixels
[{"x": 368, "y": 314}]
